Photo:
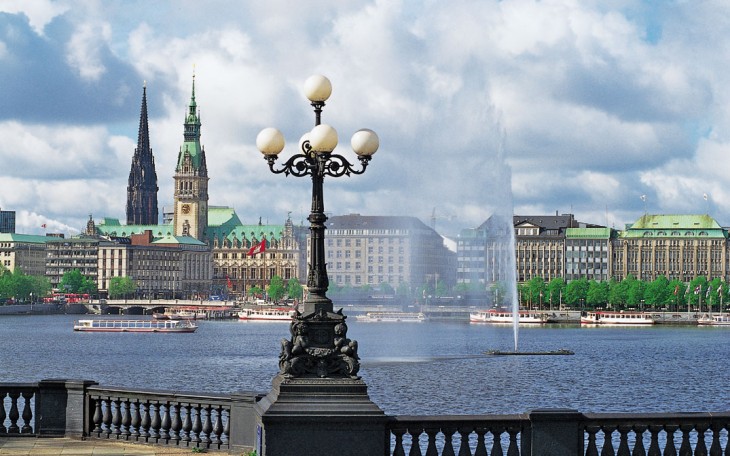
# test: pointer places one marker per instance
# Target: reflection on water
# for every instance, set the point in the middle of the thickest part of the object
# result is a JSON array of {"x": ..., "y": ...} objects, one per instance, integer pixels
[{"x": 426, "y": 368}]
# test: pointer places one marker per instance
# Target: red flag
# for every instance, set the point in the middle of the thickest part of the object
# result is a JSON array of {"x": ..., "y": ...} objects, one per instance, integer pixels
[
  {"x": 676, "y": 289},
  {"x": 228, "y": 280},
  {"x": 257, "y": 248}
]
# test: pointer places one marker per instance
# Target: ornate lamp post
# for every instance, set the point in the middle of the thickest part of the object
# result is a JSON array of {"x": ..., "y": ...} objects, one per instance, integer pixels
[
  {"x": 319, "y": 346},
  {"x": 317, "y": 388}
]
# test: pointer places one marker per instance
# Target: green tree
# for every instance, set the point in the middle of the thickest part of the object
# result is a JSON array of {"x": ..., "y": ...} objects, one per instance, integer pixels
[
  {"x": 555, "y": 291},
  {"x": 617, "y": 293},
  {"x": 255, "y": 291},
  {"x": 597, "y": 294},
  {"x": 657, "y": 292},
  {"x": 635, "y": 293},
  {"x": 696, "y": 292},
  {"x": 71, "y": 282},
  {"x": 712, "y": 295},
  {"x": 576, "y": 291},
  {"x": 294, "y": 289},
  {"x": 386, "y": 289},
  {"x": 677, "y": 296},
  {"x": 535, "y": 288},
  {"x": 276, "y": 289},
  {"x": 120, "y": 287}
]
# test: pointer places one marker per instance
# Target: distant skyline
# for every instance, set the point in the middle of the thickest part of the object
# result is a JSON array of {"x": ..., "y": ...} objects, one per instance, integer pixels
[{"x": 602, "y": 109}]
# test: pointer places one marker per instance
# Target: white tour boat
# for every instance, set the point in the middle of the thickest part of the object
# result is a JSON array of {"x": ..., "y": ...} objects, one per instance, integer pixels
[
  {"x": 714, "y": 320},
  {"x": 405, "y": 317},
  {"x": 267, "y": 314},
  {"x": 162, "y": 326},
  {"x": 502, "y": 316},
  {"x": 616, "y": 318}
]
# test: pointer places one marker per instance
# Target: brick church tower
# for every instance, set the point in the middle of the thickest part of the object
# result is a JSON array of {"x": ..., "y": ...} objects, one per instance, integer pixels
[{"x": 142, "y": 186}]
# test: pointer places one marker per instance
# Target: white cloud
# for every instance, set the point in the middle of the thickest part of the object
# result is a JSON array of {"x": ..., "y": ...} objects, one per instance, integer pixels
[{"x": 39, "y": 12}]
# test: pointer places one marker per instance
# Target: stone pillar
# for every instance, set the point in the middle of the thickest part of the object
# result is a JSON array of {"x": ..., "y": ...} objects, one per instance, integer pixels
[
  {"x": 320, "y": 416},
  {"x": 556, "y": 432},
  {"x": 62, "y": 408},
  {"x": 243, "y": 421}
]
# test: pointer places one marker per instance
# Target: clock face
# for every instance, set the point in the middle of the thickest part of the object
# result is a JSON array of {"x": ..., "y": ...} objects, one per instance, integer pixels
[{"x": 185, "y": 208}]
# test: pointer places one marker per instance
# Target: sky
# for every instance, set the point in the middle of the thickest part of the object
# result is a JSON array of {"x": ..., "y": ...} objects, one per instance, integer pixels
[{"x": 606, "y": 110}]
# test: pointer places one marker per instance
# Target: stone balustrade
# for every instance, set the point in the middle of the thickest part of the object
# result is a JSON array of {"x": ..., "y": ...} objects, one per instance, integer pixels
[{"x": 83, "y": 409}]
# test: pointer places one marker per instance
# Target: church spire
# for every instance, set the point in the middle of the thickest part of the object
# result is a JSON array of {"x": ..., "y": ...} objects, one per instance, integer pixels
[{"x": 142, "y": 185}]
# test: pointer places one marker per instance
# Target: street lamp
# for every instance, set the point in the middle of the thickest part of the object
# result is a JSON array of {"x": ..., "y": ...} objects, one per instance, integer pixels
[{"x": 319, "y": 346}]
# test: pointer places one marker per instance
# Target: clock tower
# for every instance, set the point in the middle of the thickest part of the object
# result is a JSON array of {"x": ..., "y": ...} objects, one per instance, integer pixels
[{"x": 191, "y": 180}]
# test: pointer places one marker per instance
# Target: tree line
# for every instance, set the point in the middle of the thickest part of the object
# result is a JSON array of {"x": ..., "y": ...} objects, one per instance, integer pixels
[{"x": 630, "y": 293}]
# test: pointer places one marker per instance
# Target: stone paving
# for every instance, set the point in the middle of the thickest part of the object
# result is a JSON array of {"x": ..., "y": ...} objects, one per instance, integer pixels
[{"x": 32, "y": 446}]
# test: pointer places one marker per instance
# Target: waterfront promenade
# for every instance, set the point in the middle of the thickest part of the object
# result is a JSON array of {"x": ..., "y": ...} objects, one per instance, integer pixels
[{"x": 72, "y": 447}]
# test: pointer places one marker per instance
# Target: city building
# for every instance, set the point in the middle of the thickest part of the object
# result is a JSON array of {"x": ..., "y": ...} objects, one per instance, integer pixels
[
  {"x": 66, "y": 254},
  {"x": 676, "y": 246},
  {"x": 246, "y": 256},
  {"x": 373, "y": 250},
  {"x": 164, "y": 267},
  {"x": 588, "y": 253},
  {"x": 142, "y": 184},
  {"x": 24, "y": 252},
  {"x": 191, "y": 180},
  {"x": 7, "y": 221}
]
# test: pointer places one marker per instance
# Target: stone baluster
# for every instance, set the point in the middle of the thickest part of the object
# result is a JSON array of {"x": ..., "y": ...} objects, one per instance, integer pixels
[
  {"x": 27, "y": 413},
  {"x": 654, "y": 450},
  {"x": 639, "y": 433},
  {"x": 686, "y": 447},
  {"x": 207, "y": 426},
  {"x": 117, "y": 417},
  {"x": 415, "y": 442},
  {"x": 197, "y": 425},
  {"x": 176, "y": 424},
  {"x": 514, "y": 447},
  {"x": 165, "y": 425},
  {"x": 106, "y": 417},
  {"x": 431, "y": 432},
  {"x": 608, "y": 440},
  {"x": 14, "y": 415},
  {"x": 670, "y": 449},
  {"x": 623, "y": 446},
  {"x": 144, "y": 426},
  {"x": 464, "y": 449},
  {"x": 715, "y": 447},
  {"x": 592, "y": 449},
  {"x": 126, "y": 419},
  {"x": 481, "y": 449},
  {"x": 187, "y": 423},
  {"x": 497, "y": 440},
  {"x": 227, "y": 428},
  {"x": 701, "y": 448},
  {"x": 398, "y": 434},
  {"x": 155, "y": 423},
  {"x": 136, "y": 420},
  {"x": 218, "y": 427},
  {"x": 3, "y": 415},
  {"x": 97, "y": 418},
  {"x": 448, "y": 443}
]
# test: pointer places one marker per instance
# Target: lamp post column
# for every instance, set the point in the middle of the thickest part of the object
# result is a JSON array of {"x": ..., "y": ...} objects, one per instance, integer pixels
[{"x": 318, "y": 404}]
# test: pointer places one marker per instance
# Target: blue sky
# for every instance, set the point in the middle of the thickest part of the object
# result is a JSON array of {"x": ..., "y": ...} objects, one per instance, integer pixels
[{"x": 555, "y": 105}]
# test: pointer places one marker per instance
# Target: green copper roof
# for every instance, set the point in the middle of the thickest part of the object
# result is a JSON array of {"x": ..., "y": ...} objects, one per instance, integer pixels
[
  {"x": 191, "y": 145},
  {"x": 588, "y": 233},
  {"x": 680, "y": 226},
  {"x": 26, "y": 238},
  {"x": 249, "y": 232},
  {"x": 182, "y": 240},
  {"x": 222, "y": 216},
  {"x": 127, "y": 230}
]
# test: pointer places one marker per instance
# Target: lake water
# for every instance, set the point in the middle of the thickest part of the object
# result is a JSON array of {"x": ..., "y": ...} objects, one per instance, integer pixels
[{"x": 410, "y": 368}]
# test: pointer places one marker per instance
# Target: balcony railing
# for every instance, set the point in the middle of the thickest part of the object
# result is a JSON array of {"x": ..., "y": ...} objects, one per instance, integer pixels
[{"x": 83, "y": 409}]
